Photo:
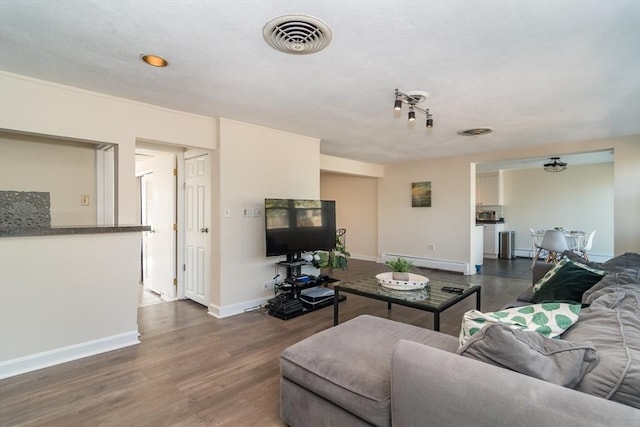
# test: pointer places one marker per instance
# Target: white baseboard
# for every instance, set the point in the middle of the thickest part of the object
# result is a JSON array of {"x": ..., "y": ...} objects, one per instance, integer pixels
[
  {"x": 438, "y": 264},
  {"x": 233, "y": 309},
  {"x": 364, "y": 257},
  {"x": 45, "y": 359}
]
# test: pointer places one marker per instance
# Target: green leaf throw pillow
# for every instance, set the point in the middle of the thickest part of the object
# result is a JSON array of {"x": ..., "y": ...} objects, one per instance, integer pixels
[
  {"x": 549, "y": 319},
  {"x": 567, "y": 284}
]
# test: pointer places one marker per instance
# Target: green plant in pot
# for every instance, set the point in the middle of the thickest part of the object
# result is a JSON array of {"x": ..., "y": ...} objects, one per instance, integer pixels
[
  {"x": 400, "y": 268},
  {"x": 333, "y": 259}
]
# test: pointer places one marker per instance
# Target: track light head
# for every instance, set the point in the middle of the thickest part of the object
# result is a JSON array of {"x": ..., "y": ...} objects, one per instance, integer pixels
[{"x": 412, "y": 99}]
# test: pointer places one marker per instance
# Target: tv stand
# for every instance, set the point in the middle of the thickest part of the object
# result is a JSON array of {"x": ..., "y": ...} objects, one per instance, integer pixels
[
  {"x": 288, "y": 303},
  {"x": 294, "y": 265}
]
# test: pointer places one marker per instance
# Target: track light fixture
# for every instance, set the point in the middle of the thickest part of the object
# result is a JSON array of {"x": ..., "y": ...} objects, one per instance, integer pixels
[{"x": 412, "y": 99}]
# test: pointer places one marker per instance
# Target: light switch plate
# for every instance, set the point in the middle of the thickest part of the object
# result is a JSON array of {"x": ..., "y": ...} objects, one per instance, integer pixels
[{"x": 84, "y": 200}]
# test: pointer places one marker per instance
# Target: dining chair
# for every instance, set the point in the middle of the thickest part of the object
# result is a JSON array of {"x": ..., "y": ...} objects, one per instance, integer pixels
[
  {"x": 554, "y": 242},
  {"x": 587, "y": 246},
  {"x": 535, "y": 240}
]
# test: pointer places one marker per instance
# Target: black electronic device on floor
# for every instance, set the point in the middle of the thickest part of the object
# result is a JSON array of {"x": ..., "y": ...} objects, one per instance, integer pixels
[{"x": 290, "y": 304}]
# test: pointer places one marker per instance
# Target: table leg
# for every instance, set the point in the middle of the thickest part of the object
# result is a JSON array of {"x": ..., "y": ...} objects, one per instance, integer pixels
[
  {"x": 436, "y": 321},
  {"x": 388, "y": 306},
  {"x": 478, "y": 299},
  {"x": 336, "y": 300}
]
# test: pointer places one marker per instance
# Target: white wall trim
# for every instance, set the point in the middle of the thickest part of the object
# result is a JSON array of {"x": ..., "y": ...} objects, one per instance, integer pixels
[
  {"x": 233, "y": 309},
  {"x": 364, "y": 257},
  {"x": 438, "y": 264},
  {"x": 57, "y": 356}
]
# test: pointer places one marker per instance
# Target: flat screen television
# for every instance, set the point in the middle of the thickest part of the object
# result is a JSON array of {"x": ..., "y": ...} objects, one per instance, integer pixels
[{"x": 295, "y": 226}]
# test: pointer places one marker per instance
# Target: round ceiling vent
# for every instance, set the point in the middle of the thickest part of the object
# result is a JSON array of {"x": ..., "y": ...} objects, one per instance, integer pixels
[
  {"x": 297, "y": 34},
  {"x": 475, "y": 132}
]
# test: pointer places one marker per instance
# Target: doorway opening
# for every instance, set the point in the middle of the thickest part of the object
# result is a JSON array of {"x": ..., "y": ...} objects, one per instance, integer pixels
[{"x": 174, "y": 199}]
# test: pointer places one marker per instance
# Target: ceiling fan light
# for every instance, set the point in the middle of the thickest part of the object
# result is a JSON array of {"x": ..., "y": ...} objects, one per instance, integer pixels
[
  {"x": 398, "y": 104},
  {"x": 555, "y": 165},
  {"x": 412, "y": 114}
]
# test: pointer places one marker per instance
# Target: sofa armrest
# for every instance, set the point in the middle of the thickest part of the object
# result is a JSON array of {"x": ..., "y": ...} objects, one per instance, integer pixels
[{"x": 434, "y": 387}]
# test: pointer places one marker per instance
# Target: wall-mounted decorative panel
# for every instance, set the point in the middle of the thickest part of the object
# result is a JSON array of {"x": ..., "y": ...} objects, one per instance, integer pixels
[{"x": 25, "y": 209}]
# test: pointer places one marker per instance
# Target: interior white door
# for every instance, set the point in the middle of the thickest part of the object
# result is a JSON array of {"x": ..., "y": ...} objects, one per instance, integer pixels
[
  {"x": 146, "y": 192},
  {"x": 159, "y": 245},
  {"x": 197, "y": 229}
]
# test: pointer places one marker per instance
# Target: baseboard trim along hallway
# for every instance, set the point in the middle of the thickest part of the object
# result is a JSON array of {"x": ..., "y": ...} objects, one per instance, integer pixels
[{"x": 45, "y": 359}]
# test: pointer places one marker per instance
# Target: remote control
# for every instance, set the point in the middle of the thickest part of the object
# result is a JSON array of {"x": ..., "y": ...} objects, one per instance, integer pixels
[{"x": 452, "y": 290}]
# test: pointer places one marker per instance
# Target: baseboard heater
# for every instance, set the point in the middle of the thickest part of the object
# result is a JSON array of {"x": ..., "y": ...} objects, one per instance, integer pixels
[{"x": 437, "y": 264}]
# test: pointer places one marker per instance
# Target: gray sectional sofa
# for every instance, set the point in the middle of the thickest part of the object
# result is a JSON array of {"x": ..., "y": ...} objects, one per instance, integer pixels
[{"x": 374, "y": 371}]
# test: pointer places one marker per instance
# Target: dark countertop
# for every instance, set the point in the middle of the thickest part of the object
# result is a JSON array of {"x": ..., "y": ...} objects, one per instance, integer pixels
[
  {"x": 69, "y": 230},
  {"x": 489, "y": 221}
]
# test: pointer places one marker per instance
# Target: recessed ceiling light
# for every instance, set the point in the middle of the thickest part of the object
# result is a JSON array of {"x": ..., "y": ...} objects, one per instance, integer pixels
[
  {"x": 475, "y": 131},
  {"x": 154, "y": 60}
]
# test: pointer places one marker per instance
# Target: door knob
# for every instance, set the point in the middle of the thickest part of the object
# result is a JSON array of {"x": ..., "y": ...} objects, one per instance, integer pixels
[{"x": 204, "y": 230}]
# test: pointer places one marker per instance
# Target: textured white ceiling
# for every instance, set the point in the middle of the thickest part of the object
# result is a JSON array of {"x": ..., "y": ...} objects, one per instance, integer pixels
[{"x": 537, "y": 71}]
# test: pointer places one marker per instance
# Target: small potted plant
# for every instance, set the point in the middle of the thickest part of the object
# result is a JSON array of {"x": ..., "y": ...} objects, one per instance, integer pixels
[
  {"x": 334, "y": 259},
  {"x": 400, "y": 268}
]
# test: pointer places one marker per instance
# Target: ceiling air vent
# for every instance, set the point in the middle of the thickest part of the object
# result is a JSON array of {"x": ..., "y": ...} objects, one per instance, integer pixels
[
  {"x": 475, "y": 132},
  {"x": 297, "y": 34}
]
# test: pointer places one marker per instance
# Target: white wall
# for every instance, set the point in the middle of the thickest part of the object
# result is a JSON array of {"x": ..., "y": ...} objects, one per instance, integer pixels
[
  {"x": 65, "y": 297},
  {"x": 356, "y": 210},
  {"x": 448, "y": 223},
  {"x": 45, "y": 108},
  {"x": 255, "y": 163},
  {"x": 580, "y": 198},
  {"x": 59, "y": 289},
  {"x": 407, "y": 231},
  {"x": 626, "y": 179},
  {"x": 66, "y": 170}
]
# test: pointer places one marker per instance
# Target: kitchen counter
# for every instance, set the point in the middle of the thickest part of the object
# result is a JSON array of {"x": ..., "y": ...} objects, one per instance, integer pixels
[
  {"x": 68, "y": 230},
  {"x": 489, "y": 221}
]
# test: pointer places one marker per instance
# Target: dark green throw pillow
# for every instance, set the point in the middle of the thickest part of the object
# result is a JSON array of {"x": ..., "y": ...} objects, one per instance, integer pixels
[{"x": 568, "y": 284}]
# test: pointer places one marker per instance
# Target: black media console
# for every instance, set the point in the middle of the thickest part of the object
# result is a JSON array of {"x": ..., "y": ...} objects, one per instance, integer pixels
[{"x": 300, "y": 293}]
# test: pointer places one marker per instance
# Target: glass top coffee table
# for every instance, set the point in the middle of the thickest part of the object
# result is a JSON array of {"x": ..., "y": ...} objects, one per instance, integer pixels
[{"x": 433, "y": 298}]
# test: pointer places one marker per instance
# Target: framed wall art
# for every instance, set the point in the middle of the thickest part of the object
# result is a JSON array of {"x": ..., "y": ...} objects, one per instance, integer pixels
[{"x": 421, "y": 194}]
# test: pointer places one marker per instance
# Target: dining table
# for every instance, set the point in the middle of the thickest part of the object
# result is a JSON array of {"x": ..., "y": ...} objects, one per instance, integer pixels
[{"x": 575, "y": 238}]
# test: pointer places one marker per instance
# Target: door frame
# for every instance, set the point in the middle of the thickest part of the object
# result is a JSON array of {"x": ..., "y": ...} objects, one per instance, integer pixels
[{"x": 182, "y": 154}]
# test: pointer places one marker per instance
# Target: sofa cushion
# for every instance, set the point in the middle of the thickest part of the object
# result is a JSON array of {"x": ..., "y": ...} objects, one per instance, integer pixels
[
  {"x": 550, "y": 273},
  {"x": 568, "y": 283},
  {"x": 549, "y": 319},
  {"x": 612, "y": 324},
  {"x": 557, "y": 361},
  {"x": 333, "y": 364},
  {"x": 615, "y": 264},
  {"x": 565, "y": 265}
]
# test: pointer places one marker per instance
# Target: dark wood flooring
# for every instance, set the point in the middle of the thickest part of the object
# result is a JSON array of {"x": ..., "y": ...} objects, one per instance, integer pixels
[{"x": 192, "y": 369}]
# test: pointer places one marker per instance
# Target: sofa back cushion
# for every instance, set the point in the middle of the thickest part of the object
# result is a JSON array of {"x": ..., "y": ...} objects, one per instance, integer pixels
[
  {"x": 557, "y": 361},
  {"x": 612, "y": 324}
]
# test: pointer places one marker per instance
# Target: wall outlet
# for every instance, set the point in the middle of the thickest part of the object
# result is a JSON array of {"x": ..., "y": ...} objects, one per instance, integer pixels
[
  {"x": 431, "y": 247},
  {"x": 268, "y": 286}
]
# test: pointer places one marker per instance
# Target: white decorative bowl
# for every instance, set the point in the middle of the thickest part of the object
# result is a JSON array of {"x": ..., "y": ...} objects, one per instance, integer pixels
[{"x": 415, "y": 282}]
